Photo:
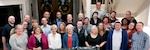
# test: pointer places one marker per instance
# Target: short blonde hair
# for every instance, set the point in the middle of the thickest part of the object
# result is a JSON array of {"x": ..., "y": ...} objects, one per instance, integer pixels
[
  {"x": 94, "y": 27},
  {"x": 54, "y": 26},
  {"x": 69, "y": 26}
]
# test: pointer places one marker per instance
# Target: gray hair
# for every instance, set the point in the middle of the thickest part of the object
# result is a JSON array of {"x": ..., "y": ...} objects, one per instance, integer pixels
[{"x": 69, "y": 26}]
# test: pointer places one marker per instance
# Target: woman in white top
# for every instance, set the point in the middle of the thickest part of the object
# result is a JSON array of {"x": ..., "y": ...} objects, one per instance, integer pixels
[
  {"x": 54, "y": 38},
  {"x": 18, "y": 41}
]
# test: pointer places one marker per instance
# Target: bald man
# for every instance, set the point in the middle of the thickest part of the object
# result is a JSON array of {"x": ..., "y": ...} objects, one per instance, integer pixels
[{"x": 6, "y": 32}]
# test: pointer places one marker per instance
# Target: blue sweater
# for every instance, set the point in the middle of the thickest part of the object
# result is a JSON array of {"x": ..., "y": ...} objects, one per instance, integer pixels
[
  {"x": 75, "y": 41},
  {"x": 124, "y": 42}
]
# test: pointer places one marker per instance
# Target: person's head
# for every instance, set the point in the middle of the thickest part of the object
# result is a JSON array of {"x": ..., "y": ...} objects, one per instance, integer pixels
[
  {"x": 69, "y": 29},
  {"x": 117, "y": 26},
  {"x": 37, "y": 30},
  {"x": 98, "y": 5},
  {"x": 46, "y": 14},
  {"x": 113, "y": 14},
  {"x": 44, "y": 21},
  {"x": 69, "y": 17},
  {"x": 79, "y": 24},
  {"x": 101, "y": 26},
  {"x": 86, "y": 20},
  {"x": 34, "y": 22},
  {"x": 106, "y": 20},
  {"x": 11, "y": 19},
  {"x": 27, "y": 18},
  {"x": 80, "y": 16},
  {"x": 139, "y": 26},
  {"x": 94, "y": 29},
  {"x": 58, "y": 14},
  {"x": 54, "y": 28},
  {"x": 25, "y": 24},
  {"x": 62, "y": 27},
  {"x": 131, "y": 26},
  {"x": 95, "y": 15},
  {"x": 19, "y": 29},
  {"x": 128, "y": 14},
  {"x": 124, "y": 21}
]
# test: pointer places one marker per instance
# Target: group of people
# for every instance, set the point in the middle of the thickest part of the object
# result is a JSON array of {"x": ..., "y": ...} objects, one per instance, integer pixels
[{"x": 103, "y": 31}]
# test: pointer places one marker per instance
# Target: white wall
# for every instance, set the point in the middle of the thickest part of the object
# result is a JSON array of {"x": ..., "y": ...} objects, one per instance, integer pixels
[{"x": 26, "y": 8}]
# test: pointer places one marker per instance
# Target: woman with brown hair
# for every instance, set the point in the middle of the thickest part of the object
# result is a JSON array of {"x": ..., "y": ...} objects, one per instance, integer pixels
[
  {"x": 37, "y": 40},
  {"x": 62, "y": 29}
]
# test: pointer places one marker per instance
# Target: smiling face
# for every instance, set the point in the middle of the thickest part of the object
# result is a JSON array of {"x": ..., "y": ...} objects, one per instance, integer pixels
[
  {"x": 100, "y": 26},
  {"x": 19, "y": 29},
  {"x": 11, "y": 19},
  {"x": 79, "y": 24},
  {"x": 131, "y": 26},
  {"x": 44, "y": 21},
  {"x": 139, "y": 27},
  {"x": 117, "y": 26},
  {"x": 98, "y": 5},
  {"x": 46, "y": 15},
  {"x": 58, "y": 15}
]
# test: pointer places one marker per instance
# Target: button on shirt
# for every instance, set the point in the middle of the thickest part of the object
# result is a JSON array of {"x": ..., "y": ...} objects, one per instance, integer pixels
[
  {"x": 46, "y": 29},
  {"x": 140, "y": 41}
]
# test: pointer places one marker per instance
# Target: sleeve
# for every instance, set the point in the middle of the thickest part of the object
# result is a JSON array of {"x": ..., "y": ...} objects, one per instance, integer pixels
[
  {"x": 146, "y": 42},
  {"x": 60, "y": 44},
  {"x": 30, "y": 42},
  {"x": 49, "y": 44},
  {"x": 108, "y": 41},
  {"x": 126, "y": 39},
  {"x": 77, "y": 40},
  {"x": 4, "y": 31},
  {"x": 64, "y": 42},
  {"x": 12, "y": 42}
]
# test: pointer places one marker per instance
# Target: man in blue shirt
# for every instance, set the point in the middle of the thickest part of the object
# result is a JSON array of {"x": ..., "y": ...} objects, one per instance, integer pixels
[{"x": 45, "y": 27}]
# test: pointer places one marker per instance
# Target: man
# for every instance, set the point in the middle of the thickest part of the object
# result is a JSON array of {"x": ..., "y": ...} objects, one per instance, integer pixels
[
  {"x": 117, "y": 39},
  {"x": 58, "y": 19},
  {"x": 45, "y": 27},
  {"x": 27, "y": 19},
  {"x": 46, "y": 15},
  {"x": 81, "y": 17},
  {"x": 140, "y": 39},
  {"x": 87, "y": 26},
  {"x": 70, "y": 20},
  {"x": 81, "y": 33},
  {"x": 129, "y": 17},
  {"x": 6, "y": 32},
  {"x": 101, "y": 13}
]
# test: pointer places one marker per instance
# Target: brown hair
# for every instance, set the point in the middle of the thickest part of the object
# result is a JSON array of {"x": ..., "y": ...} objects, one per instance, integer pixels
[
  {"x": 64, "y": 27},
  {"x": 34, "y": 21},
  {"x": 36, "y": 28}
]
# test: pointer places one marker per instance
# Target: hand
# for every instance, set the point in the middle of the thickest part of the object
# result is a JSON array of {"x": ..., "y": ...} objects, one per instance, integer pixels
[
  {"x": 39, "y": 48},
  {"x": 98, "y": 46},
  {"x": 5, "y": 48}
]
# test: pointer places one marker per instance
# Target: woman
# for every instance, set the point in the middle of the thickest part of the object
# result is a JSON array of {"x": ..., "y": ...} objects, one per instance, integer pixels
[
  {"x": 124, "y": 23},
  {"x": 103, "y": 35},
  {"x": 18, "y": 41},
  {"x": 54, "y": 38},
  {"x": 95, "y": 20},
  {"x": 107, "y": 24},
  {"x": 130, "y": 31},
  {"x": 37, "y": 40},
  {"x": 62, "y": 29},
  {"x": 70, "y": 39},
  {"x": 25, "y": 24},
  {"x": 93, "y": 39}
]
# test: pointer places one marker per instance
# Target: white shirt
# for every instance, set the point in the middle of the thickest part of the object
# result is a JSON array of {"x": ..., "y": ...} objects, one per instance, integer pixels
[
  {"x": 117, "y": 39},
  {"x": 54, "y": 41}
]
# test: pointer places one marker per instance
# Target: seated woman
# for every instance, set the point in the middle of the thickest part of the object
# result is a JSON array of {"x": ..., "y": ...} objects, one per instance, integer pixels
[
  {"x": 93, "y": 39},
  {"x": 18, "y": 41},
  {"x": 70, "y": 39},
  {"x": 103, "y": 35},
  {"x": 37, "y": 40},
  {"x": 54, "y": 38}
]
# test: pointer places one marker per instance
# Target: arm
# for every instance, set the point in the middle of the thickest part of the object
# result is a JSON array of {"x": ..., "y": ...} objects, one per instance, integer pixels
[
  {"x": 77, "y": 40},
  {"x": 30, "y": 43},
  {"x": 86, "y": 43},
  {"x": 146, "y": 42},
  {"x": 60, "y": 44},
  {"x": 102, "y": 44},
  {"x": 49, "y": 44},
  {"x": 13, "y": 43},
  {"x": 4, "y": 42},
  {"x": 64, "y": 42}
]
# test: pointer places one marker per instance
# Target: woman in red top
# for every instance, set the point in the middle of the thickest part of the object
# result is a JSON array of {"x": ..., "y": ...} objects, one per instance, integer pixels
[{"x": 130, "y": 31}]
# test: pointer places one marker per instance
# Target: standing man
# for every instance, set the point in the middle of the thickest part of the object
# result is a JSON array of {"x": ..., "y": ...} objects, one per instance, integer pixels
[
  {"x": 101, "y": 13},
  {"x": 140, "y": 39},
  {"x": 80, "y": 17},
  {"x": 117, "y": 39},
  {"x": 27, "y": 19},
  {"x": 45, "y": 27},
  {"x": 58, "y": 20},
  {"x": 47, "y": 15},
  {"x": 87, "y": 26},
  {"x": 6, "y": 32},
  {"x": 130, "y": 18}
]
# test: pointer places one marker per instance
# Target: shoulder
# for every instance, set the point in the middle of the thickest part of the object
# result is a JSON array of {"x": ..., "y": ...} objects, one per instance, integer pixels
[
  {"x": 145, "y": 34},
  {"x": 13, "y": 36}
]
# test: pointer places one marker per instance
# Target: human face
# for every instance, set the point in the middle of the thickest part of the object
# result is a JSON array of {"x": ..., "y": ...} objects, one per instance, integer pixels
[
  {"x": 69, "y": 17},
  {"x": 25, "y": 24},
  {"x": 70, "y": 30},
  {"x": 98, "y": 5},
  {"x": 125, "y": 21},
  {"x": 79, "y": 24},
  {"x": 101, "y": 26},
  {"x": 37, "y": 31},
  {"x": 44, "y": 21},
  {"x": 62, "y": 26},
  {"x": 117, "y": 26},
  {"x": 95, "y": 15},
  {"x": 80, "y": 16},
  {"x": 34, "y": 24},
  {"x": 27, "y": 18},
  {"x": 46, "y": 15},
  {"x": 131, "y": 26},
  {"x": 11, "y": 19},
  {"x": 128, "y": 15},
  {"x": 139, "y": 27},
  {"x": 105, "y": 20},
  {"x": 19, "y": 30},
  {"x": 58, "y": 14},
  {"x": 86, "y": 21},
  {"x": 94, "y": 30},
  {"x": 54, "y": 30},
  {"x": 113, "y": 15}
]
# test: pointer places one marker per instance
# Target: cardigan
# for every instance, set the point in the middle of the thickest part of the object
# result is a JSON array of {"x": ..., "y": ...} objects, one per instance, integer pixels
[
  {"x": 75, "y": 41},
  {"x": 124, "y": 42},
  {"x": 32, "y": 42}
]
